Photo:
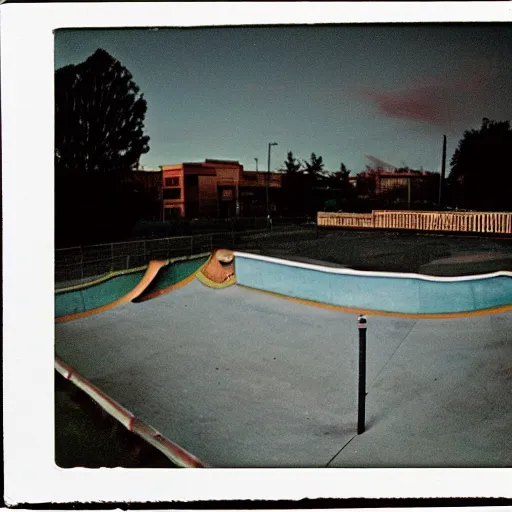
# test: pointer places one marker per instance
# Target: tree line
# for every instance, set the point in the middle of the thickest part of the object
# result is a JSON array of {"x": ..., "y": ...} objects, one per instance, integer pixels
[
  {"x": 480, "y": 176},
  {"x": 308, "y": 186},
  {"x": 100, "y": 138},
  {"x": 481, "y": 168}
]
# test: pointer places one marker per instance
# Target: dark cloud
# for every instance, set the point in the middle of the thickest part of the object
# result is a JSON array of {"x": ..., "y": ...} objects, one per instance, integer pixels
[{"x": 377, "y": 162}]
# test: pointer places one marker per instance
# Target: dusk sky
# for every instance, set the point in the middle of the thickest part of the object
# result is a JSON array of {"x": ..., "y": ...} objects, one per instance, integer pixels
[{"x": 347, "y": 93}]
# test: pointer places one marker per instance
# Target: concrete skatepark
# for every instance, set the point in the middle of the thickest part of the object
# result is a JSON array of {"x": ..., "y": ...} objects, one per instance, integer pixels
[{"x": 241, "y": 378}]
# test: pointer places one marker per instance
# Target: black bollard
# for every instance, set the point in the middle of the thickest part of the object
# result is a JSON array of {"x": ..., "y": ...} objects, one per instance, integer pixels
[{"x": 361, "y": 324}]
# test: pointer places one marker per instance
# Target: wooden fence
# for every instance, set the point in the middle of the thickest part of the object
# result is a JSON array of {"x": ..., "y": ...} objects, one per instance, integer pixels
[
  {"x": 469, "y": 222},
  {"x": 345, "y": 220}
]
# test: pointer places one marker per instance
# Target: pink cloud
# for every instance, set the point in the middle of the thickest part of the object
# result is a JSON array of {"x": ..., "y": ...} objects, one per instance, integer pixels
[
  {"x": 431, "y": 105},
  {"x": 435, "y": 102}
]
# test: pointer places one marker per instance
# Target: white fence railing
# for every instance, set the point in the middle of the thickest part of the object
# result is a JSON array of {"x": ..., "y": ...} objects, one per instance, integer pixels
[{"x": 466, "y": 222}]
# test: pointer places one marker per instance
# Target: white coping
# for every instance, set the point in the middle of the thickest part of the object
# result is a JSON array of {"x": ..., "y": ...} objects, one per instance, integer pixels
[{"x": 369, "y": 273}]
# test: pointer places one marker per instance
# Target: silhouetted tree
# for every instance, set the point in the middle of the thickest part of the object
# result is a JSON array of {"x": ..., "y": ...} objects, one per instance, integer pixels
[
  {"x": 314, "y": 167},
  {"x": 339, "y": 180},
  {"x": 315, "y": 177},
  {"x": 294, "y": 186},
  {"x": 342, "y": 176},
  {"x": 366, "y": 182},
  {"x": 339, "y": 189},
  {"x": 99, "y": 139},
  {"x": 99, "y": 117},
  {"x": 292, "y": 164},
  {"x": 481, "y": 169},
  {"x": 343, "y": 172}
]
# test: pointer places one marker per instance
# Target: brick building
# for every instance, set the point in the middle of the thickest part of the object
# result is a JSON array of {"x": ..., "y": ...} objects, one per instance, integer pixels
[
  {"x": 388, "y": 181},
  {"x": 216, "y": 188},
  {"x": 403, "y": 185}
]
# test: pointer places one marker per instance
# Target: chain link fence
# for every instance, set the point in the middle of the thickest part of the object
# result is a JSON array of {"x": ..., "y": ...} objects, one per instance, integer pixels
[{"x": 82, "y": 264}]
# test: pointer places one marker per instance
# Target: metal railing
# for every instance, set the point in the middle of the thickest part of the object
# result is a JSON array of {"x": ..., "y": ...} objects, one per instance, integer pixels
[{"x": 82, "y": 264}]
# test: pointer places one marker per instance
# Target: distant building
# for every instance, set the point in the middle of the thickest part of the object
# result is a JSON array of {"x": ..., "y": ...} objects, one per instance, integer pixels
[
  {"x": 151, "y": 179},
  {"x": 401, "y": 185},
  {"x": 388, "y": 181},
  {"x": 216, "y": 188}
]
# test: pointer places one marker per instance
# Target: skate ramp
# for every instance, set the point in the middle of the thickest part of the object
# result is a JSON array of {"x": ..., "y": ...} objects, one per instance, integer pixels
[
  {"x": 219, "y": 271},
  {"x": 244, "y": 379},
  {"x": 384, "y": 293},
  {"x": 215, "y": 270},
  {"x": 103, "y": 295},
  {"x": 176, "y": 274}
]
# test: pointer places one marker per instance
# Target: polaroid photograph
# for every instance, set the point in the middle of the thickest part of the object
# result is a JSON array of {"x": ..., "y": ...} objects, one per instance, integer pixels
[{"x": 257, "y": 251}]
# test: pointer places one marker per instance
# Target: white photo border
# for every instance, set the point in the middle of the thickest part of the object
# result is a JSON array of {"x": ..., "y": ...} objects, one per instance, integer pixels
[{"x": 31, "y": 476}]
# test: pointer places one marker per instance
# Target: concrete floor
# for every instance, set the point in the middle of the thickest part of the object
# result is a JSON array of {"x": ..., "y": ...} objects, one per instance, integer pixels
[{"x": 244, "y": 379}]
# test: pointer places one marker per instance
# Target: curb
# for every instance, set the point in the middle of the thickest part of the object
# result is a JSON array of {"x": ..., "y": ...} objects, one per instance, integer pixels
[{"x": 172, "y": 451}]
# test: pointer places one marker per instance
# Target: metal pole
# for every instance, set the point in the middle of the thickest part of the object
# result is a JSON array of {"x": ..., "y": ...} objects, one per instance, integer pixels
[
  {"x": 443, "y": 170},
  {"x": 361, "y": 324},
  {"x": 267, "y": 181},
  {"x": 270, "y": 144},
  {"x": 161, "y": 195}
]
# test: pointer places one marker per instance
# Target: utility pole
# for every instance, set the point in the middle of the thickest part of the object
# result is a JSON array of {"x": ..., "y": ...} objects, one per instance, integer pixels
[
  {"x": 162, "y": 193},
  {"x": 256, "y": 164},
  {"x": 443, "y": 171},
  {"x": 270, "y": 144},
  {"x": 237, "y": 202}
]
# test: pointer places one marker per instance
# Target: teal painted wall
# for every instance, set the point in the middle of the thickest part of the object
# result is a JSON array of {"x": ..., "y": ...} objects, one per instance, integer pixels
[
  {"x": 103, "y": 293},
  {"x": 174, "y": 273},
  {"x": 379, "y": 293},
  {"x": 96, "y": 295}
]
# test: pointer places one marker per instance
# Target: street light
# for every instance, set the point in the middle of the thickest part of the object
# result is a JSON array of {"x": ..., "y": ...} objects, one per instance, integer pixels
[{"x": 270, "y": 144}]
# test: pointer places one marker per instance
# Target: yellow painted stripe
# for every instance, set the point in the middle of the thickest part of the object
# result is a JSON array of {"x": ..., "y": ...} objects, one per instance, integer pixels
[
  {"x": 199, "y": 275},
  {"x": 151, "y": 272},
  {"x": 212, "y": 284},
  {"x": 117, "y": 273},
  {"x": 175, "y": 286},
  {"x": 106, "y": 277},
  {"x": 500, "y": 309}
]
